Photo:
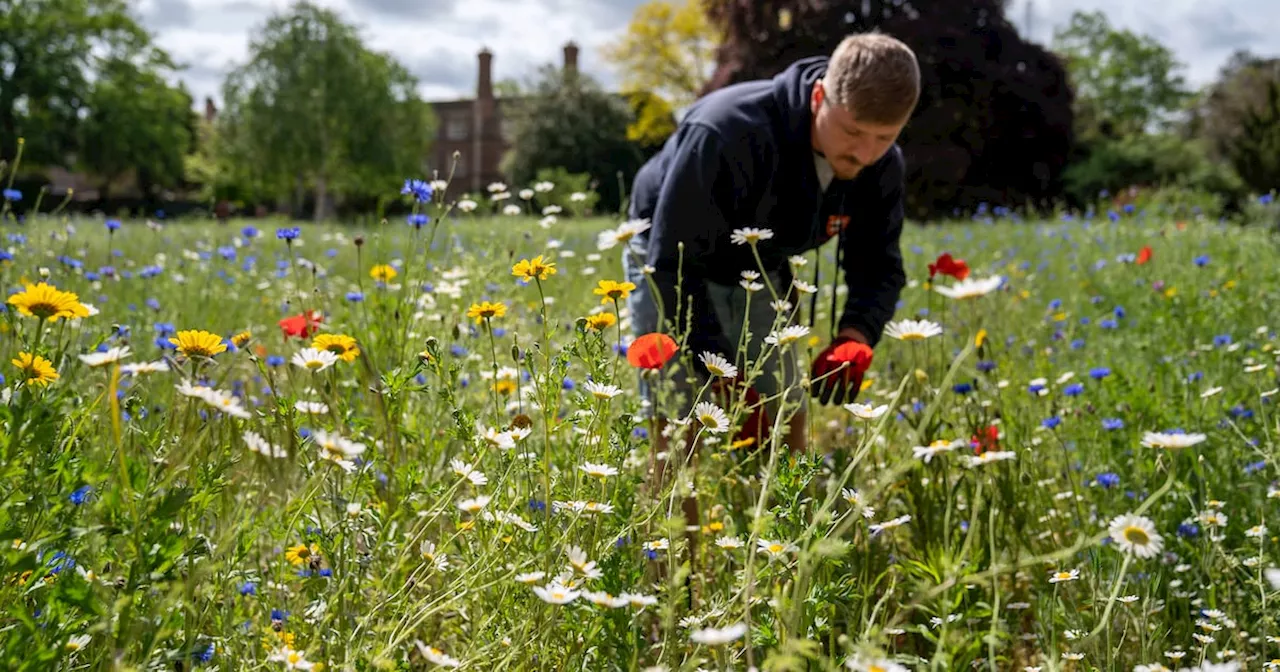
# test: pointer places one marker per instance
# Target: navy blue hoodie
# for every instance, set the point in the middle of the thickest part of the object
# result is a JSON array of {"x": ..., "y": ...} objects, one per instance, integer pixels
[{"x": 742, "y": 156}]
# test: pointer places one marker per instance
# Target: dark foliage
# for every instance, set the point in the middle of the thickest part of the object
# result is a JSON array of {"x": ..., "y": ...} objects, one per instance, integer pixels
[{"x": 994, "y": 123}]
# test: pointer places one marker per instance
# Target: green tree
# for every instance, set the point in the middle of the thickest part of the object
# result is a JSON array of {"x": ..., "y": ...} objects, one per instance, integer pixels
[
  {"x": 136, "y": 122},
  {"x": 1124, "y": 82},
  {"x": 667, "y": 50},
  {"x": 315, "y": 110},
  {"x": 1239, "y": 116},
  {"x": 567, "y": 121},
  {"x": 48, "y": 54}
]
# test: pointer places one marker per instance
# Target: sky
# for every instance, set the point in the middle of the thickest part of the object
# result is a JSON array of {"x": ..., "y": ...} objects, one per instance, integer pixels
[{"x": 437, "y": 40}]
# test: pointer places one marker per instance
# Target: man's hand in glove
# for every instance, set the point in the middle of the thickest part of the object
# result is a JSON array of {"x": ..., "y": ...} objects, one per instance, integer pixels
[{"x": 836, "y": 374}]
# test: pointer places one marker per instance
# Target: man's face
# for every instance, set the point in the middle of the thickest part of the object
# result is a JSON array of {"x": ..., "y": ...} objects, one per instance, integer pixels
[{"x": 848, "y": 144}]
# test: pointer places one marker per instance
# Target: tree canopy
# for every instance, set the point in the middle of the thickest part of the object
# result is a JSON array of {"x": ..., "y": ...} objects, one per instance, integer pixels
[{"x": 314, "y": 110}]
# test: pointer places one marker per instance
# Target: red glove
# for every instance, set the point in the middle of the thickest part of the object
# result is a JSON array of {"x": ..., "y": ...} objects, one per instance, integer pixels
[{"x": 840, "y": 385}]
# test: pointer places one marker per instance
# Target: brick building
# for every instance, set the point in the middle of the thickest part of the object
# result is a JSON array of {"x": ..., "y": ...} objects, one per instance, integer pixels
[{"x": 474, "y": 128}]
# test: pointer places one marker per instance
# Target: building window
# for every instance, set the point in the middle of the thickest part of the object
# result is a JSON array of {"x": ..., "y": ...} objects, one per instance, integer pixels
[{"x": 456, "y": 126}]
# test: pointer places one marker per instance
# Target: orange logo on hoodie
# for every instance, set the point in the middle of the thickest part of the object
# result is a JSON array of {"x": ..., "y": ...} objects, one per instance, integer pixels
[{"x": 836, "y": 223}]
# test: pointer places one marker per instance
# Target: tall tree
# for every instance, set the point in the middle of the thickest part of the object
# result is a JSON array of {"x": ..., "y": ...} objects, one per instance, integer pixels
[
  {"x": 566, "y": 120},
  {"x": 47, "y": 58},
  {"x": 667, "y": 50},
  {"x": 1239, "y": 116},
  {"x": 994, "y": 122},
  {"x": 1125, "y": 83},
  {"x": 315, "y": 110},
  {"x": 136, "y": 122}
]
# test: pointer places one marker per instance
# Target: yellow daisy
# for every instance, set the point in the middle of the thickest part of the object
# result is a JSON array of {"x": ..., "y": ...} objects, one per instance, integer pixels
[
  {"x": 47, "y": 302},
  {"x": 36, "y": 369},
  {"x": 485, "y": 310},
  {"x": 339, "y": 344},
  {"x": 241, "y": 338},
  {"x": 301, "y": 554},
  {"x": 197, "y": 343},
  {"x": 383, "y": 273},
  {"x": 613, "y": 291},
  {"x": 601, "y": 321},
  {"x": 534, "y": 268}
]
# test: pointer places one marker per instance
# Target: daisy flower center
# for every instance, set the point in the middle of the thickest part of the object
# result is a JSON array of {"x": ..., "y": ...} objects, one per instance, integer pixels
[
  {"x": 775, "y": 548},
  {"x": 1136, "y": 535}
]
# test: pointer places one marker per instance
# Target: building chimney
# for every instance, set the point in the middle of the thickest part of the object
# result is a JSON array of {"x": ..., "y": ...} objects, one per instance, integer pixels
[
  {"x": 570, "y": 57},
  {"x": 484, "y": 86},
  {"x": 210, "y": 110}
]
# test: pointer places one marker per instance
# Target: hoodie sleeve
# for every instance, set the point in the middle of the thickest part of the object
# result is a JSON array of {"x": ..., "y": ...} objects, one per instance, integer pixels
[
  {"x": 873, "y": 269},
  {"x": 695, "y": 206}
]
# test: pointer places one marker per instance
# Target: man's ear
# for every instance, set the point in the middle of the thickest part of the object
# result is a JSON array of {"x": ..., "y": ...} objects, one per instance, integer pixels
[{"x": 817, "y": 96}]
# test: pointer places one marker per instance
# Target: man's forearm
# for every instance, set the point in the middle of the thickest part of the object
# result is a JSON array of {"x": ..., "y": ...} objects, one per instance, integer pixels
[{"x": 850, "y": 332}]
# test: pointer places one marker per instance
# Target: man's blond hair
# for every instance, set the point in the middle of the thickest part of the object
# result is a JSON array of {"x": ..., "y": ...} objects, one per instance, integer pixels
[{"x": 874, "y": 76}]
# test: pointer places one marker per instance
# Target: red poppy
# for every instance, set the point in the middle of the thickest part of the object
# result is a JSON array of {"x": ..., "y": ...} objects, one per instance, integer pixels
[
  {"x": 946, "y": 265},
  {"x": 1144, "y": 255},
  {"x": 985, "y": 441},
  {"x": 301, "y": 326},
  {"x": 651, "y": 351},
  {"x": 859, "y": 354}
]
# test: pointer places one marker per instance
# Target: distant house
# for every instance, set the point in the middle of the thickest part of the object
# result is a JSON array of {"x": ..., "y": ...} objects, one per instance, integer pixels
[{"x": 476, "y": 129}]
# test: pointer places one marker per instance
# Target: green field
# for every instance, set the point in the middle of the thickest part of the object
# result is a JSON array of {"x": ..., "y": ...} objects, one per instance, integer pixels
[{"x": 396, "y": 520}]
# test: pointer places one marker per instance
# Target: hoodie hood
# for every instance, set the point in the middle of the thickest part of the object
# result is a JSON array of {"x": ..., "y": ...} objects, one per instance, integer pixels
[{"x": 792, "y": 89}]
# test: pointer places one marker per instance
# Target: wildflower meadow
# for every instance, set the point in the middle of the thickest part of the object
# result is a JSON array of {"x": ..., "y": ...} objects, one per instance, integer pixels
[{"x": 419, "y": 443}]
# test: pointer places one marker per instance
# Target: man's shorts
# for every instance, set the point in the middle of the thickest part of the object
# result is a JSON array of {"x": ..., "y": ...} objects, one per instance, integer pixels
[{"x": 731, "y": 305}]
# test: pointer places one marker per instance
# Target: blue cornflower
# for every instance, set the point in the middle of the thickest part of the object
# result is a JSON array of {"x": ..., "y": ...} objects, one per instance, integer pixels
[
  {"x": 274, "y": 361},
  {"x": 1055, "y": 304},
  {"x": 1119, "y": 312},
  {"x": 81, "y": 495},
  {"x": 1107, "y": 479},
  {"x": 568, "y": 384},
  {"x": 1077, "y": 344},
  {"x": 1034, "y": 388},
  {"x": 986, "y": 365},
  {"x": 1201, "y": 261},
  {"x": 1051, "y": 422},
  {"x": 248, "y": 588},
  {"x": 1222, "y": 339},
  {"x": 355, "y": 296},
  {"x": 152, "y": 303},
  {"x": 1073, "y": 390},
  {"x": 1108, "y": 323},
  {"x": 418, "y": 220},
  {"x": 113, "y": 225},
  {"x": 1188, "y": 530},
  {"x": 962, "y": 388},
  {"x": 420, "y": 190},
  {"x": 1255, "y": 466},
  {"x": 249, "y": 232},
  {"x": 288, "y": 234},
  {"x": 1099, "y": 373},
  {"x": 1112, "y": 424},
  {"x": 12, "y": 195}
]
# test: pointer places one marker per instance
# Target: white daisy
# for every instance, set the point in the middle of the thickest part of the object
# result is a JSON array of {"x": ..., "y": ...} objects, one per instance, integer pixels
[
  {"x": 912, "y": 330},
  {"x": 1061, "y": 577},
  {"x": 598, "y": 470},
  {"x": 970, "y": 288},
  {"x": 890, "y": 524},
  {"x": 311, "y": 407},
  {"x": 718, "y": 366},
  {"x": 718, "y": 636},
  {"x": 293, "y": 660},
  {"x": 145, "y": 367},
  {"x": 602, "y": 390},
  {"x": 314, "y": 360},
  {"x": 96, "y": 359},
  {"x": 804, "y": 287},
  {"x": 734, "y": 542},
  {"x": 1137, "y": 535},
  {"x": 436, "y": 656},
  {"x": 866, "y": 411},
  {"x": 530, "y": 577},
  {"x": 991, "y": 456},
  {"x": 925, "y": 453},
  {"x": 468, "y": 471},
  {"x": 625, "y": 232},
  {"x": 338, "y": 448},
  {"x": 774, "y": 549},
  {"x": 475, "y": 504},
  {"x": 750, "y": 235},
  {"x": 260, "y": 445},
  {"x": 788, "y": 335},
  {"x": 879, "y": 665},
  {"x": 1171, "y": 441},
  {"x": 712, "y": 417},
  {"x": 555, "y": 593}
]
